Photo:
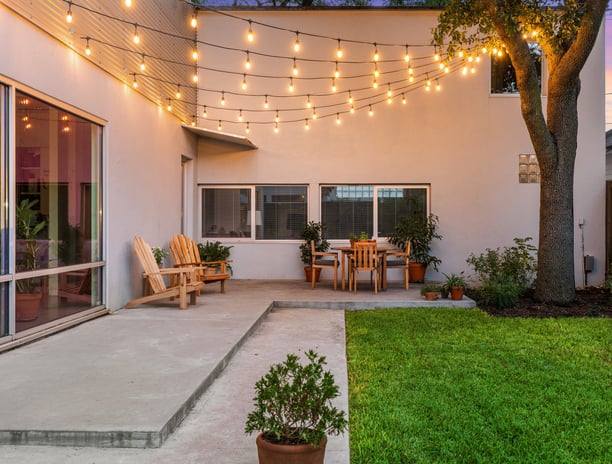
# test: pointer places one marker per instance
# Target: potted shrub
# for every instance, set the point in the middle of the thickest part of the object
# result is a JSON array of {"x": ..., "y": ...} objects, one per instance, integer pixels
[
  {"x": 293, "y": 411},
  {"x": 430, "y": 290},
  {"x": 421, "y": 231},
  {"x": 28, "y": 294},
  {"x": 312, "y": 232},
  {"x": 213, "y": 252},
  {"x": 354, "y": 238},
  {"x": 456, "y": 285}
]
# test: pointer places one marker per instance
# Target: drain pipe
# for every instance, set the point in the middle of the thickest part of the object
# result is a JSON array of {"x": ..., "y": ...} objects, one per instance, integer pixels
[{"x": 581, "y": 222}]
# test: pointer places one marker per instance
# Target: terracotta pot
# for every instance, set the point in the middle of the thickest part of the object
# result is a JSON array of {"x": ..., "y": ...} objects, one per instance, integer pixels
[
  {"x": 431, "y": 296},
  {"x": 26, "y": 306},
  {"x": 308, "y": 271},
  {"x": 270, "y": 453},
  {"x": 457, "y": 293},
  {"x": 417, "y": 272},
  {"x": 210, "y": 270}
]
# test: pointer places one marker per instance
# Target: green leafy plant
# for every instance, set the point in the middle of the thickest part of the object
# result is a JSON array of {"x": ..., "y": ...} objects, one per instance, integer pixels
[
  {"x": 421, "y": 231},
  {"x": 28, "y": 228},
  {"x": 517, "y": 264},
  {"x": 500, "y": 292},
  {"x": 455, "y": 280},
  {"x": 159, "y": 254},
  {"x": 362, "y": 236},
  {"x": 313, "y": 231},
  {"x": 215, "y": 251},
  {"x": 293, "y": 403}
]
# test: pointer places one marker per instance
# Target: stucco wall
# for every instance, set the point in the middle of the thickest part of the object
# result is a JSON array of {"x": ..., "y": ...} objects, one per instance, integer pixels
[
  {"x": 142, "y": 146},
  {"x": 462, "y": 141}
]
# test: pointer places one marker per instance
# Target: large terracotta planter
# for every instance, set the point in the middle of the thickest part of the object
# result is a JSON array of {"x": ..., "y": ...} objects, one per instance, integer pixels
[
  {"x": 26, "y": 306},
  {"x": 308, "y": 270},
  {"x": 417, "y": 272},
  {"x": 456, "y": 293},
  {"x": 270, "y": 453}
]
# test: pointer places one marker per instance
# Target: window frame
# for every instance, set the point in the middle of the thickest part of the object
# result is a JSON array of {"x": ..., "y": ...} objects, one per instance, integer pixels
[{"x": 543, "y": 79}]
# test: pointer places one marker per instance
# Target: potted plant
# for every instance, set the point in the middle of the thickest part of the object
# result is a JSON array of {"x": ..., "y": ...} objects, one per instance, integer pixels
[
  {"x": 28, "y": 294},
  {"x": 159, "y": 254},
  {"x": 456, "y": 285},
  {"x": 312, "y": 232},
  {"x": 294, "y": 413},
  {"x": 213, "y": 252},
  {"x": 430, "y": 290},
  {"x": 354, "y": 238},
  {"x": 421, "y": 231}
]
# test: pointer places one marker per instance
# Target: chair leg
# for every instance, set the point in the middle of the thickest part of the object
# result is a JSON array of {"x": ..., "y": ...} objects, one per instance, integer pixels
[
  {"x": 312, "y": 277},
  {"x": 335, "y": 276}
]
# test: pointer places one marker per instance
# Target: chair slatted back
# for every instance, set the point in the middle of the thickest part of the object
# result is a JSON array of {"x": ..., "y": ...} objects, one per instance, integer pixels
[
  {"x": 147, "y": 260},
  {"x": 185, "y": 252},
  {"x": 365, "y": 255}
]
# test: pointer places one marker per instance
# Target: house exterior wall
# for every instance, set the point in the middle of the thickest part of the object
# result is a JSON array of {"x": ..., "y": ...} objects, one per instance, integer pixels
[
  {"x": 463, "y": 142},
  {"x": 142, "y": 148}
]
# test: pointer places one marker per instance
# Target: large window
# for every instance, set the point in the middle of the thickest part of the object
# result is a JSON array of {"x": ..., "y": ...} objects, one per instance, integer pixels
[
  {"x": 57, "y": 211},
  {"x": 503, "y": 75},
  {"x": 4, "y": 229},
  {"x": 273, "y": 212},
  {"x": 347, "y": 209}
]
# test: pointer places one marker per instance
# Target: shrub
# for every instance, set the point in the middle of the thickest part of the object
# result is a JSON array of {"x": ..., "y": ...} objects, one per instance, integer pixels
[
  {"x": 516, "y": 264},
  {"x": 500, "y": 292}
]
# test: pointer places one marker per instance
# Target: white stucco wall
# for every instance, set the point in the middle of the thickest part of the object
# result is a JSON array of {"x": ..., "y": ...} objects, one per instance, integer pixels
[
  {"x": 462, "y": 141},
  {"x": 142, "y": 146}
]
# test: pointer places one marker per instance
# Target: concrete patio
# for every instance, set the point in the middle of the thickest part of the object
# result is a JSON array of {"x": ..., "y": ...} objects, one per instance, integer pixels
[{"x": 130, "y": 379}]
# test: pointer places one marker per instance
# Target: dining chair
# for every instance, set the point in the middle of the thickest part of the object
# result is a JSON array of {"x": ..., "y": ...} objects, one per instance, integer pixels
[
  {"x": 365, "y": 258},
  {"x": 400, "y": 260},
  {"x": 323, "y": 260}
]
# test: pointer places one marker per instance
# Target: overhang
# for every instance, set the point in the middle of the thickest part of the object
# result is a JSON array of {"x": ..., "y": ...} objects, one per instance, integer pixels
[{"x": 221, "y": 136}]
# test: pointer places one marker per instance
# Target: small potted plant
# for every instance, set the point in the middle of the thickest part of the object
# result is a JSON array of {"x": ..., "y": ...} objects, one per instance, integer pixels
[
  {"x": 159, "y": 254},
  {"x": 355, "y": 238},
  {"x": 213, "y": 253},
  {"x": 294, "y": 412},
  {"x": 421, "y": 231},
  {"x": 430, "y": 290},
  {"x": 456, "y": 285},
  {"x": 312, "y": 232}
]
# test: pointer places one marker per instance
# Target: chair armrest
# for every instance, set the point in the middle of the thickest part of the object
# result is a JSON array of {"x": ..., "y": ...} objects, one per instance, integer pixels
[{"x": 325, "y": 253}]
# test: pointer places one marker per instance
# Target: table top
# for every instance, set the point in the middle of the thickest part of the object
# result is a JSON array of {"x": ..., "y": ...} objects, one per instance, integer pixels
[{"x": 380, "y": 247}]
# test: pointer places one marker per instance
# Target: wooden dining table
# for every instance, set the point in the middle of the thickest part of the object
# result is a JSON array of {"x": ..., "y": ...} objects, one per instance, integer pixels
[{"x": 381, "y": 249}]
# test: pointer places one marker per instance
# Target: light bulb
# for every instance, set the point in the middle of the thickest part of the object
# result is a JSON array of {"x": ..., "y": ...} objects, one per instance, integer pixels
[
  {"x": 194, "y": 20},
  {"x": 247, "y": 62},
  {"x": 142, "y": 64},
  {"x": 352, "y": 109},
  {"x": 295, "y": 68},
  {"x": 389, "y": 93},
  {"x": 128, "y": 3},
  {"x": 247, "y": 129},
  {"x": 135, "y": 83},
  {"x": 87, "y": 48},
  {"x": 276, "y": 127},
  {"x": 464, "y": 70},
  {"x": 291, "y": 88},
  {"x": 333, "y": 87},
  {"x": 240, "y": 116},
  {"x": 308, "y": 102},
  {"x": 178, "y": 92},
  {"x": 219, "y": 127},
  {"x": 193, "y": 120},
  {"x": 438, "y": 86},
  {"x": 461, "y": 54},
  {"x": 338, "y": 121},
  {"x": 296, "y": 44},
  {"x": 195, "y": 77},
  {"x": 277, "y": 117},
  {"x": 406, "y": 55},
  {"x": 410, "y": 78},
  {"x": 244, "y": 83},
  {"x": 169, "y": 107},
  {"x": 350, "y": 98},
  {"x": 376, "y": 71},
  {"x": 375, "y": 84},
  {"x": 69, "y": 13},
  {"x": 376, "y": 54},
  {"x": 337, "y": 71},
  {"x": 266, "y": 104},
  {"x": 250, "y": 35},
  {"x": 339, "y": 51},
  {"x": 306, "y": 124},
  {"x": 410, "y": 70},
  {"x": 194, "y": 53},
  {"x": 204, "y": 113},
  {"x": 314, "y": 113},
  {"x": 222, "y": 98},
  {"x": 371, "y": 111},
  {"x": 136, "y": 37},
  {"x": 404, "y": 99}
]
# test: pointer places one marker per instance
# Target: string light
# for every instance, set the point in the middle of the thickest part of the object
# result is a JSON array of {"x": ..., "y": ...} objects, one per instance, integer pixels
[
  {"x": 222, "y": 98},
  {"x": 169, "y": 106},
  {"x": 204, "y": 112},
  {"x": 291, "y": 88},
  {"x": 135, "y": 83},
  {"x": 136, "y": 37},
  {"x": 128, "y": 3},
  {"x": 295, "y": 68},
  {"x": 338, "y": 121},
  {"x": 389, "y": 94},
  {"x": 403, "y": 99},
  {"x": 266, "y": 104},
  {"x": 406, "y": 55},
  {"x": 428, "y": 84},
  {"x": 314, "y": 113},
  {"x": 87, "y": 47},
  {"x": 296, "y": 44},
  {"x": 375, "y": 84},
  {"x": 438, "y": 86},
  {"x": 195, "y": 76},
  {"x": 306, "y": 124},
  {"x": 308, "y": 102},
  {"x": 339, "y": 52},
  {"x": 143, "y": 66},
  {"x": 337, "y": 71},
  {"x": 352, "y": 109},
  {"x": 244, "y": 82},
  {"x": 277, "y": 117},
  {"x": 276, "y": 129},
  {"x": 376, "y": 71},
  {"x": 247, "y": 129},
  {"x": 240, "y": 116},
  {"x": 376, "y": 54},
  {"x": 350, "y": 98},
  {"x": 219, "y": 127},
  {"x": 193, "y": 120},
  {"x": 250, "y": 35},
  {"x": 371, "y": 111},
  {"x": 247, "y": 62},
  {"x": 178, "y": 92},
  {"x": 69, "y": 13},
  {"x": 194, "y": 52},
  {"x": 436, "y": 54},
  {"x": 333, "y": 86},
  {"x": 194, "y": 19}
]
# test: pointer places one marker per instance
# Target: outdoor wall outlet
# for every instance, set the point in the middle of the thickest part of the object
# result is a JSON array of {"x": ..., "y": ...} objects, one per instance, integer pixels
[{"x": 581, "y": 221}]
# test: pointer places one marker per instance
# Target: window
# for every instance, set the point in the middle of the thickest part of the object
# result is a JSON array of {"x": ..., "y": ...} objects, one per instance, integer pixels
[
  {"x": 4, "y": 229},
  {"x": 57, "y": 185},
  {"x": 347, "y": 209},
  {"x": 503, "y": 76},
  {"x": 529, "y": 169},
  {"x": 274, "y": 212}
]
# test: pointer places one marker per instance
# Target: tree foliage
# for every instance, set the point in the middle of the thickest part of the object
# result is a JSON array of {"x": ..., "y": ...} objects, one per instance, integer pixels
[{"x": 566, "y": 32}]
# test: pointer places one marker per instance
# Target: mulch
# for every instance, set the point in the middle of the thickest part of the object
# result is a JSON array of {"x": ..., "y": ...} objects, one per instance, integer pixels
[{"x": 590, "y": 302}]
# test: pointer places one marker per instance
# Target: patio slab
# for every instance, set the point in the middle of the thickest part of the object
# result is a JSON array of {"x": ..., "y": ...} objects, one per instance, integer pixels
[{"x": 129, "y": 379}]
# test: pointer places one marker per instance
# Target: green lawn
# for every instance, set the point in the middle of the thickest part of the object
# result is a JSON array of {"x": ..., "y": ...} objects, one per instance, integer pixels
[{"x": 456, "y": 385}]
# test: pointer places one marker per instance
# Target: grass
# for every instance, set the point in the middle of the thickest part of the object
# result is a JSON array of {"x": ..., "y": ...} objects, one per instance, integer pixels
[{"x": 460, "y": 386}]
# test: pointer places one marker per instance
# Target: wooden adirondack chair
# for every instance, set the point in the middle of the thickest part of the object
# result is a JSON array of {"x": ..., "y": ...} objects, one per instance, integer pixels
[
  {"x": 186, "y": 254},
  {"x": 181, "y": 279}
]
